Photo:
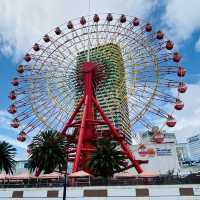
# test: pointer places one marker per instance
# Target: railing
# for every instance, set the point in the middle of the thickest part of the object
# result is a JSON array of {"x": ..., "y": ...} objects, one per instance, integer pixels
[
  {"x": 30, "y": 183},
  {"x": 91, "y": 181},
  {"x": 161, "y": 180}
]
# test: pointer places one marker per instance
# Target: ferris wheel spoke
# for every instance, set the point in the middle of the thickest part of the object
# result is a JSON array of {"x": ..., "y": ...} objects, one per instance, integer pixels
[
  {"x": 137, "y": 38},
  {"x": 25, "y": 113},
  {"x": 65, "y": 41},
  {"x": 56, "y": 46},
  {"x": 123, "y": 30},
  {"x": 33, "y": 125},
  {"x": 42, "y": 116},
  {"x": 133, "y": 32},
  {"x": 146, "y": 123},
  {"x": 57, "y": 102},
  {"x": 141, "y": 119},
  {"x": 111, "y": 31},
  {"x": 80, "y": 40},
  {"x": 49, "y": 52},
  {"x": 62, "y": 86},
  {"x": 154, "y": 109},
  {"x": 54, "y": 120},
  {"x": 55, "y": 59},
  {"x": 160, "y": 95},
  {"x": 130, "y": 39}
]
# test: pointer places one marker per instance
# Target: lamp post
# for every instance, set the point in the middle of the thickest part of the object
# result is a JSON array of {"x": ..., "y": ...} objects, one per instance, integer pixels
[
  {"x": 65, "y": 185},
  {"x": 65, "y": 180}
]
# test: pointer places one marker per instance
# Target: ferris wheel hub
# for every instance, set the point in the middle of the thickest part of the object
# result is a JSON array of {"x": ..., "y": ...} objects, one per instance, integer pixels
[{"x": 88, "y": 67}]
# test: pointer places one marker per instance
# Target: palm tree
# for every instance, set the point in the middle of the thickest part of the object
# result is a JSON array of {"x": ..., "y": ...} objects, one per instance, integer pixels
[
  {"x": 7, "y": 154},
  {"x": 47, "y": 152},
  {"x": 107, "y": 158}
]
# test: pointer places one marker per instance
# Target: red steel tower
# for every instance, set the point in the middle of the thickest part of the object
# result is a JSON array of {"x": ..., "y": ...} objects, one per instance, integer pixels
[{"x": 87, "y": 124}]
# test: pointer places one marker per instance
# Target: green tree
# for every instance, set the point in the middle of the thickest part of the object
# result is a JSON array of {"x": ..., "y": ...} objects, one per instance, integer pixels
[
  {"x": 48, "y": 152},
  {"x": 107, "y": 158},
  {"x": 7, "y": 154}
]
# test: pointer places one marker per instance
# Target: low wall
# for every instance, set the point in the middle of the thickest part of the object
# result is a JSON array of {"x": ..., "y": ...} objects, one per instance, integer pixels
[{"x": 150, "y": 192}]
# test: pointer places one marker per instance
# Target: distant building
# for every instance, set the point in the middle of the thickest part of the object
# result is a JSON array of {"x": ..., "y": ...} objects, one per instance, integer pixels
[
  {"x": 21, "y": 166},
  {"x": 194, "y": 147},
  {"x": 182, "y": 153},
  {"x": 169, "y": 155},
  {"x": 165, "y": 158},
  {"x": 147, "y": 137}
]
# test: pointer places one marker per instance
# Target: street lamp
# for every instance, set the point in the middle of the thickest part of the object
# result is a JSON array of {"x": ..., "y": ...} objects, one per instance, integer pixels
[{"x": 65, "y": 180}]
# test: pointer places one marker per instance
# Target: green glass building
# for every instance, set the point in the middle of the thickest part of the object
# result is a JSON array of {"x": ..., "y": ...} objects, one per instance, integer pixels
[{"x": 111, "y": 93}]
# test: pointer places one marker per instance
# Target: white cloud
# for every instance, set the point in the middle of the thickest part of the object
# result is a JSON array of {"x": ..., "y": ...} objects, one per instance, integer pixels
[
  {"x": 188, "y": 120},
  {"x": 23, "y": 22},
  {"x": 197, "y": 45},
  {"x": 181, "y": 18},
  {"x": 5, "y": 119},
  {"x": 7, "y": 45}
]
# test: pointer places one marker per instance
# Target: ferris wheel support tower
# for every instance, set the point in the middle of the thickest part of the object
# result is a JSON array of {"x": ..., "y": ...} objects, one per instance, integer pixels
[{"x": 87, "y": 125}]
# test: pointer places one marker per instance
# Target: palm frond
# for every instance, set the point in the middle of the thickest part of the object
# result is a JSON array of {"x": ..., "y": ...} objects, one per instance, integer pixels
[
  {"x": 7, "y": 155},
  {"x": 47, "y": 152},
  {"x": 107, "y": 159}
]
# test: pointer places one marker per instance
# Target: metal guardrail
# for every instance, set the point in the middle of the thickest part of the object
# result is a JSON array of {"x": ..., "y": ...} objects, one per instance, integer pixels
[
  {"x": 91, "y": 181},
  {"x": 30, "y": 183}
]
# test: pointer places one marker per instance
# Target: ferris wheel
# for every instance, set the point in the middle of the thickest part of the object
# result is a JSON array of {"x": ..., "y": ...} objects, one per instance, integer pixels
[{"x": 136, "y": 74}]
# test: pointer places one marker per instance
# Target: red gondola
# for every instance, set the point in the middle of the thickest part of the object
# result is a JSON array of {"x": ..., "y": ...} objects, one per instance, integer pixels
[
  {"x": 159, "y": 35},
  {"x": 158, "y": 137},
  {"x": 122, "y": 19},
  {"x": 15, "y": 81},
  {"x": 12, "y": 95},
  {"x": 82, "y": 21},
  {"x": 169, "y": 45},
  {"x": 12, "y": 109},
  {"x": 46, "y": 38},
  {"x": 148, "y": 27},
  {"x": 136, "y": 21},
  {"x": 182, "y": 87},
  {"x": 96, "y": 18},
  {"x": 15, "y": 123},
  {"x": 20, "y": 69},
  {"x": 36, "y": 47},
  {"x": 171, "y": 122},
  {"x": 109, "y": 17},
  {"x": 70, "y": 25},
  {"x": 142, "y": 150},
  {"x": 57, "y": 31},
  {"x": 21, "y": 137},
  {"x": 179, "y": 105},
  {"x": 176, "y": 57},
  {"x": 181, "y": 72},
  {"x": 27, "y": 57}
]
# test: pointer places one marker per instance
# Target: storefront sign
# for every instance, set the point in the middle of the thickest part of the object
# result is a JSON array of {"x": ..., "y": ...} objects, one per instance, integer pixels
[{"x": 163, "y": 152}]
